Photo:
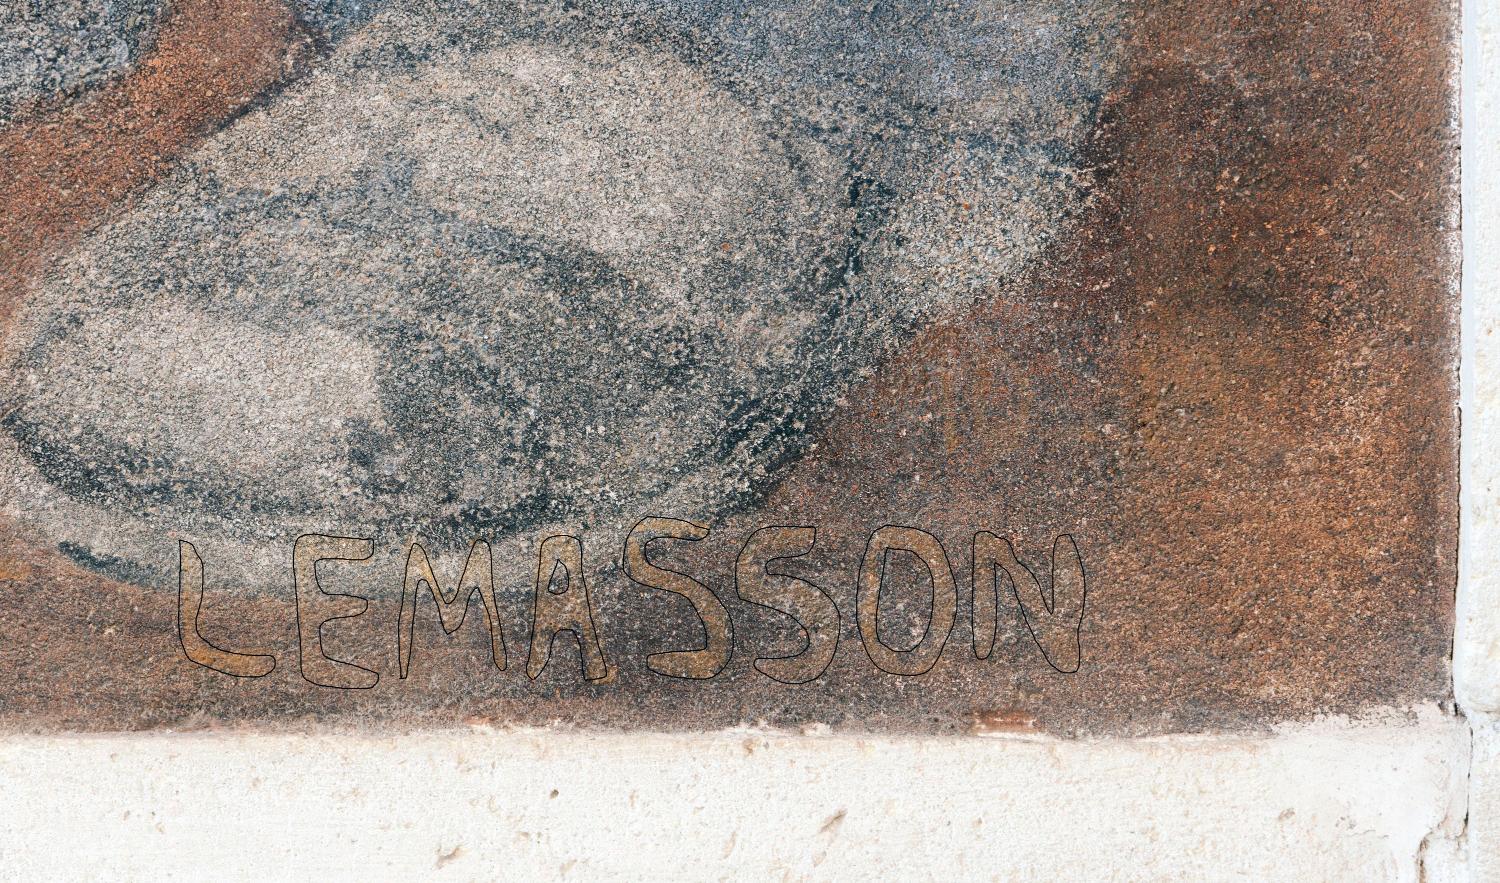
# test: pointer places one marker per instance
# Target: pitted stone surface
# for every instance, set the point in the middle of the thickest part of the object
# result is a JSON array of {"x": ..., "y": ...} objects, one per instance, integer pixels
[
  {"x": 487, "y": 272},
  {"x": 1090, "y": 365},
  {"x": 52, "y": 47}
]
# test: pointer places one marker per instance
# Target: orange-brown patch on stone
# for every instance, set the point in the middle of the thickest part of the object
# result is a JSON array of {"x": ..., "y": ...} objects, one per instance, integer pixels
[
  {"x": 1294, "y": 366},
  {"x": 1233, "y": 384},
  {"x": 67, "y": 165},
  {"x": 1004, "y": 721}
]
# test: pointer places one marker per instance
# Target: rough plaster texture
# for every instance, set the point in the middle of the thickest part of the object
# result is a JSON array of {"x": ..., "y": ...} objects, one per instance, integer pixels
[
  {"x": 1476, "y": 672},
  {"x": 1476, "y": 655},
  {"x": 481, "y": 274},
  {"x": 1479, "y": 847},
  {"x": 1335, "y": 802},
  {"x": 52, "y": 47}
]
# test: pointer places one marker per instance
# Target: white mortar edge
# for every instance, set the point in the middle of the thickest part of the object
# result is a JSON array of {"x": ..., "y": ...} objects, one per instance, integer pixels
[
  {"x": 1477, "y": 626},
  {"x": 1333, "y": 801},
  {"x": 1476, "y": 651}
]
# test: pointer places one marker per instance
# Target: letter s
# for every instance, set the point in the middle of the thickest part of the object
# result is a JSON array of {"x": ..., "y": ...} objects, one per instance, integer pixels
[{"x": 812, "y": 609}]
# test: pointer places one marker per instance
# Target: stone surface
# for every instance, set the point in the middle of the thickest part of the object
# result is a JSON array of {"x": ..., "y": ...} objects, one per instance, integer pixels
[
  {"x": 1158, "y": 296},
  {"x": 50, "y": 48},
  {"x": 477, "y": 284},
  {"x": 1397, "y": 801}
]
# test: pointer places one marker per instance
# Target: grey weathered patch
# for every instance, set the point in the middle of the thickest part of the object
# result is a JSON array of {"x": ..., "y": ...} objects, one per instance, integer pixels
[
  {"x": 496, "y": 269},
  {"x": 51, "y": 47},
  {"x": 335, "y": 19}
]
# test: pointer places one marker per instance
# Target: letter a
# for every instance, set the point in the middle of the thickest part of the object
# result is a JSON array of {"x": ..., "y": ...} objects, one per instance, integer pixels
[{"x": 567, "y": 610}]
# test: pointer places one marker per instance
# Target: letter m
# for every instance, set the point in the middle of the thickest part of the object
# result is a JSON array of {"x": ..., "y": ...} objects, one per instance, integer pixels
[{"x": 478, "y": 576}]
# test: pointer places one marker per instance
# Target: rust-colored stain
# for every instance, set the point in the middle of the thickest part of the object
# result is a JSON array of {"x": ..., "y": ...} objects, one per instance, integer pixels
[
  {"x": 1231, "y": 388},
  {"x": 65, "y": 166}
]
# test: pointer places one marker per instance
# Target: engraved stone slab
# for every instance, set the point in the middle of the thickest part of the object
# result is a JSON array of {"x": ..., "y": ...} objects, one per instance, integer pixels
[{"x": 1070, "y": 365}]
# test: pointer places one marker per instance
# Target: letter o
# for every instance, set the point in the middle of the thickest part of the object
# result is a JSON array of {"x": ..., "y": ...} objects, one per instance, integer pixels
[{"x": 919, "y": 659}]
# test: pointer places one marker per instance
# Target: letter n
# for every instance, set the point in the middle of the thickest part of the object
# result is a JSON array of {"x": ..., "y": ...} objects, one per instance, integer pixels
[{"x": 1056, "y": 623}]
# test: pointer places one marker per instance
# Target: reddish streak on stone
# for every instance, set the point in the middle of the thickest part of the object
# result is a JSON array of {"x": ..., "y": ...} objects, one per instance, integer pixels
[{"x": 66, "y": 165}]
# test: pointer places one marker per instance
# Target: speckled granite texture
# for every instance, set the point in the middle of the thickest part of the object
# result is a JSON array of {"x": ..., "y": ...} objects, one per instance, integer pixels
[
  {"x": 55, "y": 48},
  {"x": 1158, "y": 296}
]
